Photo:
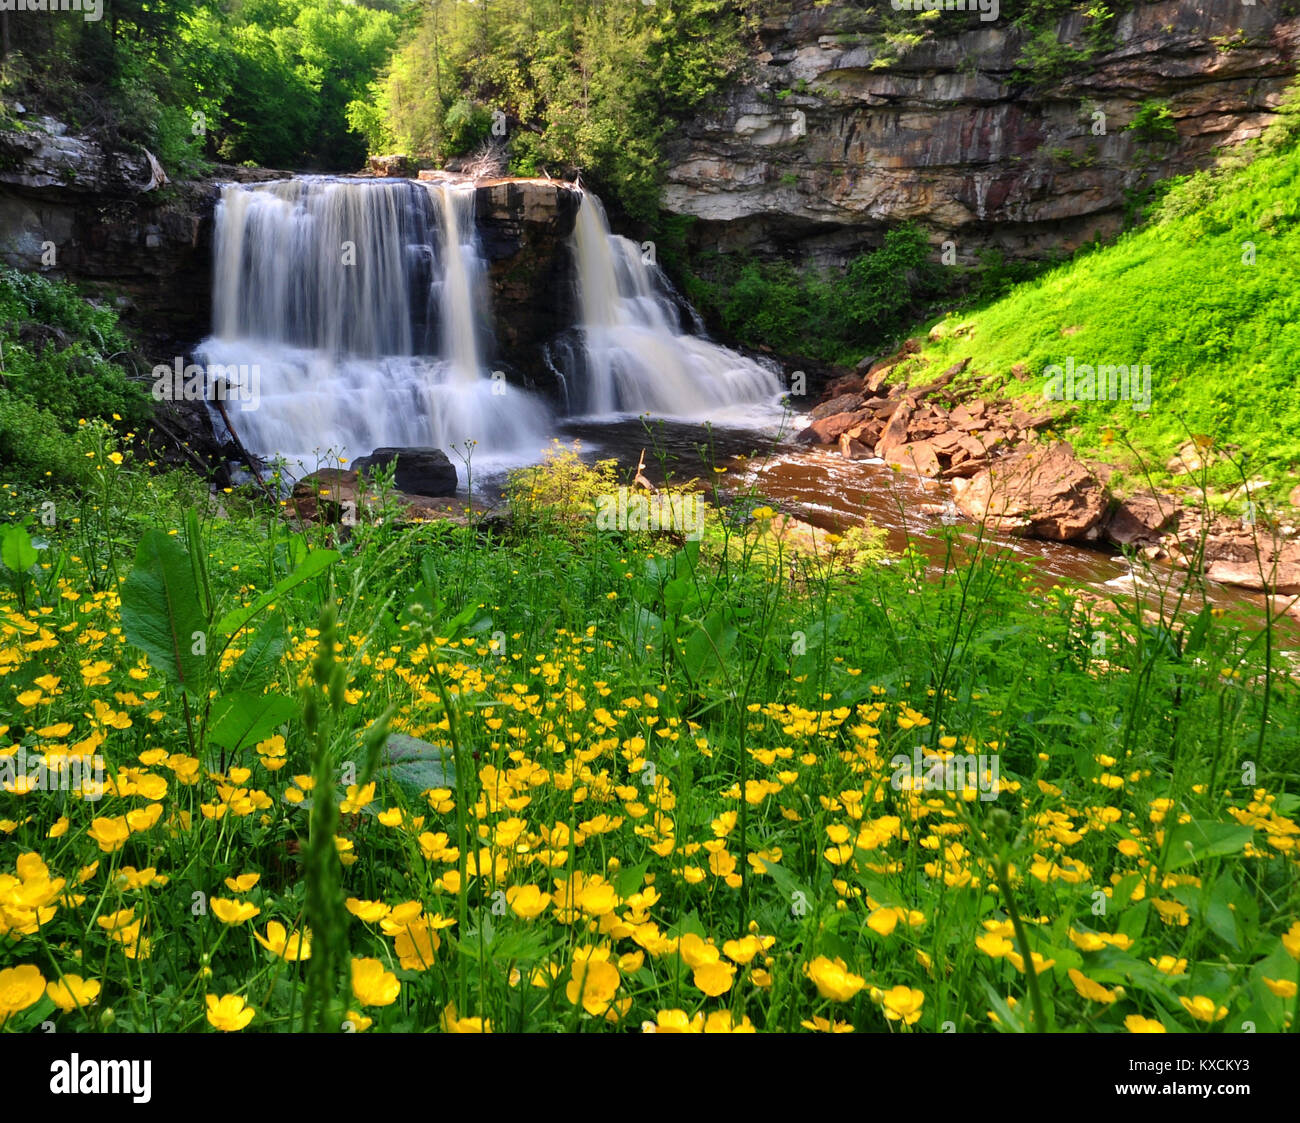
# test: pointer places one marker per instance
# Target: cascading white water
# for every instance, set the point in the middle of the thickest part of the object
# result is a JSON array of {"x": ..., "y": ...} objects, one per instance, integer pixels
[
  {"x": 635, "y": 356},
  {"x": 359, "y": 303}
]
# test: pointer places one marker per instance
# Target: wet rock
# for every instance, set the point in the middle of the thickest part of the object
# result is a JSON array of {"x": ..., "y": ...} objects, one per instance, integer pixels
[
  {"x": 1140, "y": 520},
  {"x": 827, "y": 430},
  {"x": 1250, "y": 558},
  {"x": 853, "y": 449},
  {"x": 1043, "y": 492},
  {"x": 841, "y": 403},
  {"x": 915, "y": 456},
  {"x": 420, "y": 471},
  {"x": 896, "y": 432},
  {"x": 390, "y": 166}
]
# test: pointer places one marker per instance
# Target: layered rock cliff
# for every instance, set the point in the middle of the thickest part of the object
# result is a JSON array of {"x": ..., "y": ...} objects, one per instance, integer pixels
[{"x": 839, "y": 131}]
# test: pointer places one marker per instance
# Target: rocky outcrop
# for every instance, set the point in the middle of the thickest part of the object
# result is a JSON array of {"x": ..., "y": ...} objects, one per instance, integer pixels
[
  {"x": 524, "y": 226},
  {"x": 1006, "y": 476},
  {"x": 837, "y": 133},
  {"x": 340, "y": 496},
  {"x": 70, "y": 207},
  {"x": 420, "y": 471},
  {"x": 1045, "y": 492},
  {"x": 933, "y": 427}
]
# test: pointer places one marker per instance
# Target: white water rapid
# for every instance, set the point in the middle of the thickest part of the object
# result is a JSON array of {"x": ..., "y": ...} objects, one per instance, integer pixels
[{"x": 633, "y": 352}]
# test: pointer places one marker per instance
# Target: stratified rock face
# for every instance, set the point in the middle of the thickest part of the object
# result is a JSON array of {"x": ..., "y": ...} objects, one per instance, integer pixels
[
  {"x": 524, "y": 227},
  {"x": 70, "y": 208},
  {"x": 829, "y": 143}
]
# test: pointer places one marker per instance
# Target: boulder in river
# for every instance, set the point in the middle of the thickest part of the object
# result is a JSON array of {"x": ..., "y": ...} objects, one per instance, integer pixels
[
  {"x": 420, "y": 471},
  {"x": 1041, "y": 492}
]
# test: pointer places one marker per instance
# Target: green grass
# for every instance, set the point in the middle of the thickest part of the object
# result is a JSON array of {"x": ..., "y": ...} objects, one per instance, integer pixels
[
  {"x": 564, "y": 845},
  {"x": 1221, "y": 334}
]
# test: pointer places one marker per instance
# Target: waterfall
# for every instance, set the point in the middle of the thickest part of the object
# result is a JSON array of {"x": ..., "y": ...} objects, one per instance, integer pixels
[
  {"x": 361, "y": 304},
  {"x": 633, "y": 352}
]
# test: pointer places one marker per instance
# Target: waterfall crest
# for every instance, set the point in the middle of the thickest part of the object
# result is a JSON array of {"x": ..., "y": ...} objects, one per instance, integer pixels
[{"x": 361, "y": 303}]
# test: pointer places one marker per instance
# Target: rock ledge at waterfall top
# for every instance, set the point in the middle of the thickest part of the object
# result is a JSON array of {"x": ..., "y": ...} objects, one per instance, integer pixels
[{"x": 153, "y": 248}]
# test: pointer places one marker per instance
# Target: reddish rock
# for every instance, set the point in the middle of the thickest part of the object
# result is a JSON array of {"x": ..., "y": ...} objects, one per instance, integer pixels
[
  {"x": 915, "y": 456},
  {"x": 969, "y": 417},
  {"x": 895, "y": 433},
  {"x": 947, "y": 443},
  {"x": 1139, "y": 520},
  {"x": 879, "y": 376},
  {"x": 827, "y": 430},
  {"x": 853, "y": 449},
  {"x": 973, "y": 446},
  {"x": 845, "y": 384},
  {"x": 841, "y": 403},
  {"x": 1044, "y": 493},
  {"x": 1250, "y": 557}
]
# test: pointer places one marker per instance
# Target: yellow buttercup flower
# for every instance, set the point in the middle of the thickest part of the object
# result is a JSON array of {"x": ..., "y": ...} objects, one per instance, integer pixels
[
  {"x": 1283, "y": 988},
  {"x": 833, "y": 979},
  {"x": 825, "y": 1025},
  {"x": 20, "y": 987},
  {"x": 1203, "y": 1009},
  {"x": 674, "y": 1021},
  {"x": 883, "y": 921},
  {"x": 714, "y": 978},
  {"x": 110, "y": 834},
  {"x": 593, "y": 983},
  {"x": 288, "y": 947},
  {"x": 1093, "y": 991},
  {"x": 453, "y": 1024},
  {"x": 902, "y": 1003},
  {"x": 1291, "y": 940},
  {"x": 1136, "y": 1023},
  {"x": 369, "y": 911},
  {"x": 72, "y": 992},
  {"x": 527, "y": 901},
  {"x": 233, "y": 912},
  {"x": 372, "y": 984},
  {"x": 229, "y": 1013}
]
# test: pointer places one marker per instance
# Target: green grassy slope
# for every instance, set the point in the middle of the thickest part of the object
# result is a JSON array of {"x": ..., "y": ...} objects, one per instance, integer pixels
[{"x": 1221, "y": 335}]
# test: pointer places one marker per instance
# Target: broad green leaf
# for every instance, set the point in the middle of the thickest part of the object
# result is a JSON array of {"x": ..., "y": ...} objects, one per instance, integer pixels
[
  {"x": 1220, "y": 914},
  {"x": 246, "y": 717},
  {"x": 313, "y": 566},
  {"x": 16, "y": 549},
  {"x": 415, "y": 766},
  {"x": 263, "y": 653},
  {"x": 706, "y": 651},
  {"x": 1201, "y": 838},
  {"x": 161, "y": 613}
]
